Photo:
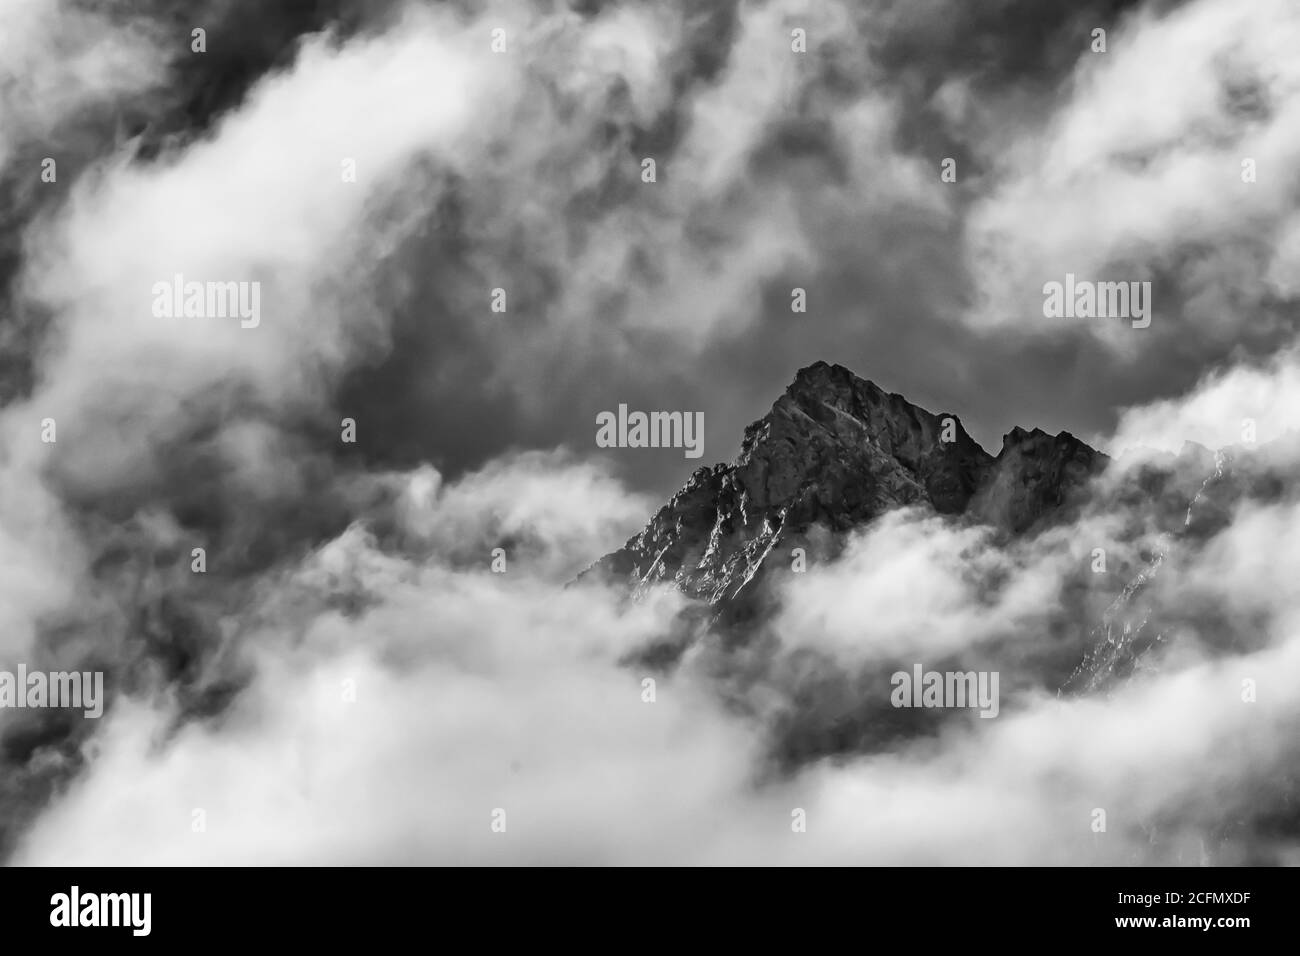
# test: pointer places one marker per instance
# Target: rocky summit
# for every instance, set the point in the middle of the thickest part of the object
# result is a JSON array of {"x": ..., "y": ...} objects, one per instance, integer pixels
[{"x": 835, "y": 452}]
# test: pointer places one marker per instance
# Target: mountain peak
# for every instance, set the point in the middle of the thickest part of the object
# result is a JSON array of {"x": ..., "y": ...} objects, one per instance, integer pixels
[
  {"x": 845, "y": 433},
  {"x": 835, "y": 385},
  {"x": 834, "y": 452},
  {"x": 1034, "y": 475},
  {"x": 823, "y": 376}
]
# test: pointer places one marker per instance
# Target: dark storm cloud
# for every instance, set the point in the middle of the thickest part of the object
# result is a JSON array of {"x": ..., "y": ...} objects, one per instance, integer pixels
[
  {"x": 866, "y": 227},
  {"x": 887, "y": 274}
]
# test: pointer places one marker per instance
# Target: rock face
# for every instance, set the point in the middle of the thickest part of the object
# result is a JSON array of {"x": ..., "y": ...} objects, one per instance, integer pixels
[
  {"x": 1034, "y": 477},
  {"x": 1191, "y": 497},
  {"x": 835, "y": 452}
]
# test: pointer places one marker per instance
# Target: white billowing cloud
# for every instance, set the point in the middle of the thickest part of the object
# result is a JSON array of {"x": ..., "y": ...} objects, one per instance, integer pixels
[
  {"x": 59, "y": 63},
  {"x": 473, "y": 691},
  {"x": 555, "y": 514},
  {"x": 262, "y": 201},
  {"x": 477, "y": 691},
  {"x": 920, "y": 585},
  {"x": 631, "y": 47},
  {"x": 1250, "y": 570},
  {"x": 1139, "y": 171},
  {"x": 1284, "y": 270},
  {"x": 36, "y": 552},
  {"x": 1221, "y": 410},
  {"x": 58, "y": 58}
]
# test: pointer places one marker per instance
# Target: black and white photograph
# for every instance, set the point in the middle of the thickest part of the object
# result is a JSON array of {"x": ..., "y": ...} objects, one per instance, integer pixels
[{"x": 649, "y": 433}]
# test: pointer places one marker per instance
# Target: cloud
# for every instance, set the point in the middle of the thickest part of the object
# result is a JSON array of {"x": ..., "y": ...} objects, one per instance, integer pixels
[
  {"x": 1248, "y": 403},
  {"x": 262, "y": 201},
  {"x": 473, "y": 691},
  {"x": 334, "y": 566},
  {"x": 476, "y": 691},
  {"x": 58, "y": 60},
  {"x": 917, "y": 587},
  {"x": 1138, "y": 175}
]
